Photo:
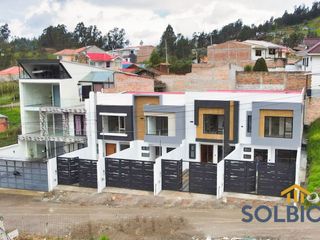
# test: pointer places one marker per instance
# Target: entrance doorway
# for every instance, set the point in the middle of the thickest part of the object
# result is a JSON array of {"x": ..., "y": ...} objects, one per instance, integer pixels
[
  {"x": 111, "y": 148},
  {"x": 261, "y": 155},
  {"x": 206, "y": 153}
]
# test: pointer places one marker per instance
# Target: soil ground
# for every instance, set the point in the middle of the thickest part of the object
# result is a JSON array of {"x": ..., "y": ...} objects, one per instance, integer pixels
[{"x": 88, "y": 215}]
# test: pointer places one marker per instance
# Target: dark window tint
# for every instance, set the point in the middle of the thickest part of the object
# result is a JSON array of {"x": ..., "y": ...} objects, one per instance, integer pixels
[{"x": 192, "y": 151}]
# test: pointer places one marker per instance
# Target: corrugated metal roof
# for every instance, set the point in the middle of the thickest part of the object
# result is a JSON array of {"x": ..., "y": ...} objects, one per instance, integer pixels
[{"x": 98, "y": 76}]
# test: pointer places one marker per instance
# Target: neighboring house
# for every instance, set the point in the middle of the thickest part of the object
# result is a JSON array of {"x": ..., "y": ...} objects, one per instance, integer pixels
[
  {"x": 140, "y": 70},
  {"x": 104, "y": 60},
  {"x": 247, "y": 52},
  {"x": 311, "y": 63},
  {"x": 205, "y": 142},
  {"x": 3, "y": 123},
  {"x": 114, "y": 81},
  {"x": 142, "y": 53},
  {"x": 91, "y": 55},
  {"x": 77, "y": 55},
  {"x": 10, "y": 74}
]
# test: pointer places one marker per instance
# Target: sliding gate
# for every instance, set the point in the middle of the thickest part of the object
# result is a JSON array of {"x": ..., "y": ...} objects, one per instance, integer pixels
[{"x": 179, "y": 175}]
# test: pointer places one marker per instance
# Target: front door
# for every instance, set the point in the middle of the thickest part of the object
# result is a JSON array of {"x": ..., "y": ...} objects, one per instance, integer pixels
[
  {"x": 206, "y": 153},
  {"x": 111, "y": 148}
]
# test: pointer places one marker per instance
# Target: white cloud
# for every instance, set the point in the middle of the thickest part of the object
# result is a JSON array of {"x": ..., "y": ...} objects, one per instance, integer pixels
[{"x": 142, "y": 19}]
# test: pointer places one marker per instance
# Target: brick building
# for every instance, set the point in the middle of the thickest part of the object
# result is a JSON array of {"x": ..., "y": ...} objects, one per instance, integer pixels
[{"x": 3, "y": 123}]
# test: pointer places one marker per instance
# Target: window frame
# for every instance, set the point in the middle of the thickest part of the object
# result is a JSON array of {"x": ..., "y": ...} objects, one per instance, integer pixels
[
  {"x": 121, "y": 125},
  {"x": 256, "y": 52},
  {"x": 204, "y": 131},
  {"x": 158, "y": 131},
  {"x": 268, "y": 132}
]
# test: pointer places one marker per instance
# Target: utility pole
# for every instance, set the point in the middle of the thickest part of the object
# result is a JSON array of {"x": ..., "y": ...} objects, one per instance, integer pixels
[{"x": 166, "y": 46}]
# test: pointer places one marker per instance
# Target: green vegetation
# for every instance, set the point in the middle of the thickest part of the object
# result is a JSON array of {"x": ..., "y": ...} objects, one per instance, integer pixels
[
  {"x": 104, "y": 238},
  {"x": 260, "y": 65},
  {"x": 313, "y": 150},
  {"x": 9, "y": 92},
  {"x": 248, "y": 68},
  {"x": 10, "y": 136}
]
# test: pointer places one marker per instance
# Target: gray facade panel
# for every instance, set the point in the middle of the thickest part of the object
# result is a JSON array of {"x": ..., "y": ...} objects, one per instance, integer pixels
[
  {"x": 180, "y": 124},
  {"x": 289, "y": 143}
]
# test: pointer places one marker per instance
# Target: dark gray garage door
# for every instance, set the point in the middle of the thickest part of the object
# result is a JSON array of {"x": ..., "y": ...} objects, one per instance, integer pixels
[{"x": 24, "y": 175}]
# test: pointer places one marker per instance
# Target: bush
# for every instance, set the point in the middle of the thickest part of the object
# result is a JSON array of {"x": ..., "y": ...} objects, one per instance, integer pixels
[
  {"x": 260, "y": 65},
  {"x": 248, "y": 68},
  {"x": 313, "y": 149}
]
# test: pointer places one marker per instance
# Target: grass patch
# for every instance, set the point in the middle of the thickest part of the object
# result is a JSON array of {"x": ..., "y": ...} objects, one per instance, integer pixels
[
  {"x": 11, "y": 135},
  {"x": 313, "y": 150},
  {"x": 9, "y": 98}
]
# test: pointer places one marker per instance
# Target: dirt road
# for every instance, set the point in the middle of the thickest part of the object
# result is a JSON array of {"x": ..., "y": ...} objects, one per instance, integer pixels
[{"x": 33, "y": 215}]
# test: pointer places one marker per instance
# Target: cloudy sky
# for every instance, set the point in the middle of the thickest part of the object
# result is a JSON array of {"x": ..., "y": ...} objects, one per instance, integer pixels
[{"x": 142, "y": 19}]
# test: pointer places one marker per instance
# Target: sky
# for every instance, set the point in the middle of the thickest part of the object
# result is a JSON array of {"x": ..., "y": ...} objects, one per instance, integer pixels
[{"x": 142, "y": 19}]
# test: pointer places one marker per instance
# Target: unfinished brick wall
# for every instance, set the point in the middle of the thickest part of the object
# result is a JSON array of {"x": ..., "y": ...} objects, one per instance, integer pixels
[
  {"x": 312, "y": 110},
  {"x": 230, "y": 52},
  {"x": 125, "y": 82},
  {"x": 3, "y": 124},
  {"x": 203, "y": 77},
  {"x": 144, "y": 53},
  {"x": 272, "y": 80}
]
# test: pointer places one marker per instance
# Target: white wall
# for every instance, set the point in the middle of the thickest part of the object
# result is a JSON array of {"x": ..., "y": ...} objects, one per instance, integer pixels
[
  {"x": 157, "y": 176},
  {"x": 116, "y": 99},
  {"x": 52, "y": 174}
]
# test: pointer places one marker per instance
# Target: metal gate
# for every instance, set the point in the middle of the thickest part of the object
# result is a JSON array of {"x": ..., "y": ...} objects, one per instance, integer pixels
[
  {"x": 68, "y": 170},
  {"x": 24, "y": 175},
  {"x": 132, "y": 174},
  {"x": 75, "y": 171},
  {"x": 171, "y": 174},
  {"x": 239, "y": 176},
  {"x": 275, "y": 177},
  {"x": 203, "y": 178},
  {"x": 88, "y": 173}
]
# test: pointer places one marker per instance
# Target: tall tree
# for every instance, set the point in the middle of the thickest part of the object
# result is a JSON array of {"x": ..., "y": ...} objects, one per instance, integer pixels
[
  {"x": 168, "y": 40},
  {"x": 4, "y": 32},
  {"x": 84, "y": 36},
  {"x": 56, "y": 37},
  {"x": 115, "y": 38}
]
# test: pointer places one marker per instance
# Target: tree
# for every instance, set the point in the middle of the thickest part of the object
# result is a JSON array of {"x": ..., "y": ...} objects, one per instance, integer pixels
[
  {"x": 86, "y": 36},
  {"x": 183, "y": 47},
  {"x": 4, "y": 32},
  {"x": 294, "y": 39},
  {"x": 168, "y": 39},
  {"x": 260, "y": 65},
  {"x": 115, "y": 38},
  {"x": 155, "y": 58},
  {"x": 56, "y": 37}
]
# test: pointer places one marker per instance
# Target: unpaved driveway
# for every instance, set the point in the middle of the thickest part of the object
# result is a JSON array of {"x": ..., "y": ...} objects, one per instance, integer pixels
[{"x": 52, "y": 217}]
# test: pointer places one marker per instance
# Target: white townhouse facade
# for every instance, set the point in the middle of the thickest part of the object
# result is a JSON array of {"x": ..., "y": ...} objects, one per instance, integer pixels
[{"x": 209, "y": 142}]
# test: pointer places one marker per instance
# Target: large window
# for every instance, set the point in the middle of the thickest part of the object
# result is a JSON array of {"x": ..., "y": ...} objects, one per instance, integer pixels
[
  {"x": 114, "y": 124},
  {"x": 212, "y": 124},
  {"x": 249, "y": 123},
  {"x": 279, "y": 127},
  {"x": 157, "y": 125}
]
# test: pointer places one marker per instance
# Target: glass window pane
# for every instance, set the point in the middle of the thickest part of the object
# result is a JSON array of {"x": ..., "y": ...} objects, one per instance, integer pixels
[{"x": 113, "y": 126}]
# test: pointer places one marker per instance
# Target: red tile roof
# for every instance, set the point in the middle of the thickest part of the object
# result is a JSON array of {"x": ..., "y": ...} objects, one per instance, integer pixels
[
  {"x": 100, "y": 57},
  {"x": 310, "y": 42},
  {"x": 10, "y": 71}
]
